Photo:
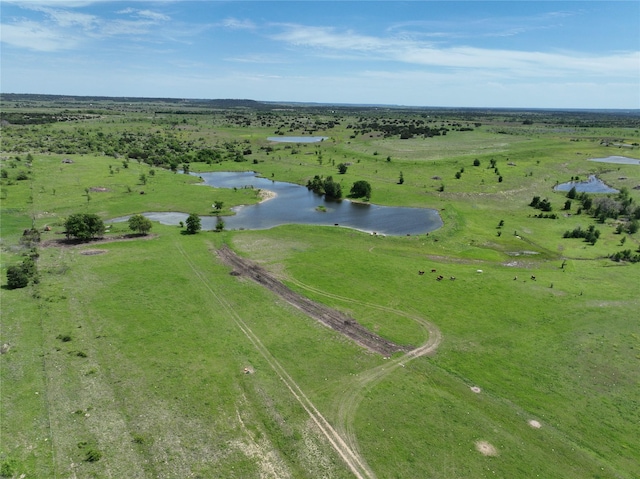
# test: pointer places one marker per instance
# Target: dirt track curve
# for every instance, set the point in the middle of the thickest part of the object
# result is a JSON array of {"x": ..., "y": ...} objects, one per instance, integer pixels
[{"x": 343, "y": 436}]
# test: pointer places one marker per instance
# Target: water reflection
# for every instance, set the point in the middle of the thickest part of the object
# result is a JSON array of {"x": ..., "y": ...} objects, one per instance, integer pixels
[
  {"x": 295, "y": 204},
  {"x": 592, "y": 185}
]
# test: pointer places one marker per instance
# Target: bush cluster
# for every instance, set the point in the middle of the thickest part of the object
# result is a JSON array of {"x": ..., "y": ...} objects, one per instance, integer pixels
[
  {"x": 590, "y": 235},
  {"x": 325, "y": 186},
  {"x": 20, "y": 275},
  {"x": 626, "y": 255}
]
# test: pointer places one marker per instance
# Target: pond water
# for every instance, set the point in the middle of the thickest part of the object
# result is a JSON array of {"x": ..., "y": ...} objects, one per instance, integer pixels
[
  {"x": 592, "y": 185},
  {"x": 298, "y": 139},
  {"x": 295, "y": 204},
  {"x": 619, "y": 160}
]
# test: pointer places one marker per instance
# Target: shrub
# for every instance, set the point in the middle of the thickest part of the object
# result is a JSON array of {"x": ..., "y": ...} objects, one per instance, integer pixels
[
  {"x": 140, "y": 224},
  {"x": 92, "y": 455},
  {"x": 84, "y": 226},
  {"x": 19, "y": 276},
  {"x": 361, "y": 189},
  {"x": 193, "y": 224},
  {"x": 8, "y": 468}
]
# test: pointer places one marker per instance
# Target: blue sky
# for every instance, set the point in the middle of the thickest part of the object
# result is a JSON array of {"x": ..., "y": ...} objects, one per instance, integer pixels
[{"x": 542, "y": 54}]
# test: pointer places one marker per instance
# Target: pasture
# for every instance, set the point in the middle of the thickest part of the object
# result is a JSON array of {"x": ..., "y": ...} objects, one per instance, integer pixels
[{"x": 144, "y": 357}]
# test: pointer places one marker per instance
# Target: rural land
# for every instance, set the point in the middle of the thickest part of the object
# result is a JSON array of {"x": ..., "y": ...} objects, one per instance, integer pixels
[{"x": 504, "y": 342}]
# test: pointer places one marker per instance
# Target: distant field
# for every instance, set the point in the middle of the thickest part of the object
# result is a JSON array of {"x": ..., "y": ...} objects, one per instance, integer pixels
[{"x": 144, "y": 357}]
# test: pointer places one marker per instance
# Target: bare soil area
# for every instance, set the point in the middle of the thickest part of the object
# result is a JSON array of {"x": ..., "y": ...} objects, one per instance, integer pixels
[{"x": 325, "y": 315}]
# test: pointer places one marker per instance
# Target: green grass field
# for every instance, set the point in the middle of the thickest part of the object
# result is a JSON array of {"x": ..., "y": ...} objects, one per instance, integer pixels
[{"x": 144, "y": 357}]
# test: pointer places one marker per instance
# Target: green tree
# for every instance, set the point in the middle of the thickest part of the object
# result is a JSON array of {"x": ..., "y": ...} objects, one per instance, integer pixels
[
  {"x": 143, "y": 179},
  {"x": 361, "y": 189},
  {"x": 401, "y": 179},
  {"x": 84, "y": 226},
  {"x": 18, "y": 276},
  {"x": 332, "y": 189},
  {"x": 476, "y": 162},
  {"x": 218, "y": 205},
  {"x": 140, "y": 224},
  {"x": 219, "y": 225},
  {"x": 342, "y": 168},
  {"x": 193, "y": 224},
  {"x": 572, "y": 194}
]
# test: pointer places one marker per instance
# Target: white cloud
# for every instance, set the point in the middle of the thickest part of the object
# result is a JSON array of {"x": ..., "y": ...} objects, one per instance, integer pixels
[
  {"x": 235, "y": 24},
  {"x": 519, "y": 63},
  {"x": 35, "y": 36}
]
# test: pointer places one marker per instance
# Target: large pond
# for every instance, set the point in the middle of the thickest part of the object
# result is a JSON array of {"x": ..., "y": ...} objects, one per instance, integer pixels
[
  {"x": 297, "y": 139},
  {"x": 295, "y": 204},
  {"x": 592, "y": 185},
  {"x": 618, "y": 160}
]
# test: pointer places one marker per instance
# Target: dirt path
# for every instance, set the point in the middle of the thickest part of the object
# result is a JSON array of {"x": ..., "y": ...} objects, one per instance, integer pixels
[
  {"x": 353, "y": 460},
  {"x": 325, "y": 315},
  {"x": 352, "y": 397}
]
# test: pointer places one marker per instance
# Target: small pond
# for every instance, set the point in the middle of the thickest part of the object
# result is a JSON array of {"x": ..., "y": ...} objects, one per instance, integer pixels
[
  {"x": 295, "y": 204},
  {"x": 592, "y": 185},
  {"x": 298, "y": 139},
  {"x": 618, "y": 160}
]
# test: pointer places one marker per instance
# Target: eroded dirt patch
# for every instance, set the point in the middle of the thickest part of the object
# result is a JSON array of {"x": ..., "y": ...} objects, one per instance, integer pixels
[
  {"x": 486, "y": 449},
  {"x": 92, "y": 252},
  {"x": 325, "y": 315}
]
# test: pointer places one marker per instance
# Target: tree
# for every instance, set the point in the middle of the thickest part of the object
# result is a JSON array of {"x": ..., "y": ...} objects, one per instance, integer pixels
[
  {"x": 140, "y": 224},
  {"x": 572, "y": 193},
  {"x": 361, "y": 189},
  {"x": 18, "y": 276},
  {"x": 219, "y": 225},
  {"x": 332, "y": 189},
  {"x": 476, "y": 162},
  {"x": 193, "y": 224},
  {"x": 401, "y": 179},
  {"x": 84, "y": 226},
  {"x": 218, "y": 205},
  {"x": 567, "y": 205},
  {"x": 342, "y": 168}
]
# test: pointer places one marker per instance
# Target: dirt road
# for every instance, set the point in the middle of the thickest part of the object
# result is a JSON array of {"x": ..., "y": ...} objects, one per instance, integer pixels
[{"x": 327, "y": 316}]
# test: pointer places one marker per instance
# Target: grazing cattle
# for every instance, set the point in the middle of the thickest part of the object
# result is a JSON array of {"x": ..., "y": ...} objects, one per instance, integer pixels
[
  {"x": 452, "y": 278},
  {"x": 515, "y": 278},
  {"x": 440, "y": 278},
  {"x": 533, "y": 277},
  {"x": 433, "y": 270},
  {"x": 479, "y": 271},
  {"x": 420, "y": 273}
]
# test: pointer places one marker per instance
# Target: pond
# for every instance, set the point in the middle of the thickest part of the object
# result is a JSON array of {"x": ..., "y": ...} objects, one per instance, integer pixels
[
  {"x": 295, "y": 204},
  {"x": 298, "y": 139},
  {"x": 618, "y": 160},
  {"x": 592, "y": 185}
]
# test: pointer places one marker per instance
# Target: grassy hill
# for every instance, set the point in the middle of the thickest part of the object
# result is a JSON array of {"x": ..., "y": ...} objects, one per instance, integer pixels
[{"x": 142, "y": 356}]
